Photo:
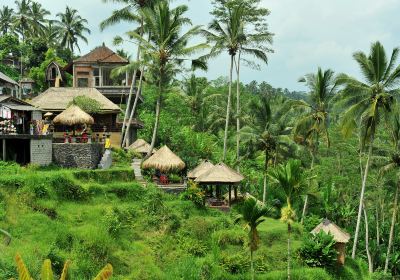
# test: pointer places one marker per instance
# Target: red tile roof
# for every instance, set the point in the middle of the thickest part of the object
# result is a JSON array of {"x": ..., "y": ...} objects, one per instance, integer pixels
[{"x": 101, "y": 55}]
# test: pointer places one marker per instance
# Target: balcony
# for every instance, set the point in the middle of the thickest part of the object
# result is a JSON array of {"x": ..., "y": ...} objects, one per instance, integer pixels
[{"x": 117, "y": 94}]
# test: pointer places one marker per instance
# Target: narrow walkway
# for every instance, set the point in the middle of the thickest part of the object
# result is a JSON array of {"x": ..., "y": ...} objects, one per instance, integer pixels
[{"x": 136, "y": 162}]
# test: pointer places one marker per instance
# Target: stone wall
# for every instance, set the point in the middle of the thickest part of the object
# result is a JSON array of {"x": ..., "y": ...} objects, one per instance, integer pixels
[
  {"x": 41, "y": 151},
  {"x": 78, "y": 155}
]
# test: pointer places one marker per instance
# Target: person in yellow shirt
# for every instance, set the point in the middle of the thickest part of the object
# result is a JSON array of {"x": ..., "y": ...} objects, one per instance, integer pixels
[{"x": 107, "y": 143}]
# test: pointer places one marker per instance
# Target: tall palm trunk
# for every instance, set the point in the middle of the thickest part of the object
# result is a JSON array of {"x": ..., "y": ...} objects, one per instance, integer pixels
[
  {"x": 265, "y": 176},
  {"x": 288, "y": 251},
  {"x": 128, "y": 104},
  {"x": 158, "y": 109},
  {"x": 252, "y": 264},
  {"x": 360, "y": 206},
  {"x": 238, "y": 111},
  {"x": 392, "y": 228},
  {"x": 370, "y": 263},
  {"x": 228, "y": 109},
  {"x": 303, "y": 214}
]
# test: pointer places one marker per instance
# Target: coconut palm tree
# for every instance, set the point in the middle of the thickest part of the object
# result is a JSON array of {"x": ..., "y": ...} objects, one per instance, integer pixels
[
  {"x": 38, "y": 14},
  {"x": 369, "y": 103},
  {"x": 72, "y": 27},
  {"x": 293, "y": 182},
  {"x": 252, "y": 213},
  {"x": 131, "y": 13},
  {"x": 51, "y": 33},
  {"x": 314, "y": 122},
  {"x": 166, "y": 48},
  {"x": 6, "y": 19},
  {"x": 227, "y": 34},
  {"x": 268, "y": 131},
  {"x": 22, "y": 20}
]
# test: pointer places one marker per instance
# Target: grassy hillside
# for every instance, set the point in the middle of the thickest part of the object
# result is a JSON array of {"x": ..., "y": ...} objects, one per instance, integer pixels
[{"x": 96, "y": 217}]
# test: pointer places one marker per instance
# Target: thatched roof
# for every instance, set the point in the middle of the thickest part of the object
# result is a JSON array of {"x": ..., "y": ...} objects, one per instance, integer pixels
[
  {"x": 331, "y": 228},
  {"x": 6, "y": 79},
  {"x": 203, "y": 167},
  {"x": 140, "y": 146},
  {"x": 101, "y": 54},
  {"x": 73, "y": 115},
  {"x": 220, "y": 174},
  {"x": 57, "y": 99},
  {"x": 164, "y": 160}
]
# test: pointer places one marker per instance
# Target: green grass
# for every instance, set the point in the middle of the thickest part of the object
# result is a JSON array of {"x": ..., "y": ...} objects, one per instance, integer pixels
[{"x": 99, "y": 217}]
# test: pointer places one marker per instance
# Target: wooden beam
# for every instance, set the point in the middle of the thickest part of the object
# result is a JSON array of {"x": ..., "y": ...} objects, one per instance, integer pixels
[
  {"x": 235, "y": 190},
  {"x": 4, "y": 150}
]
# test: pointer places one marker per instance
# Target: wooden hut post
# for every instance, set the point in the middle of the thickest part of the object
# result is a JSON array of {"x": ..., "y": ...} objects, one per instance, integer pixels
[
  {"x": 229, "y": 196},
  {"x": 235, "y": 190},
  {"x": 4, "y": 150},
  {"x": 341, "y": 249}
]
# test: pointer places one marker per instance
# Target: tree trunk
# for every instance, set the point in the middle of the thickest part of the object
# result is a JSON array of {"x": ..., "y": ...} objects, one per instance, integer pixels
[
  {"x": 392, "y": 228},
  {"x": 377, "y": 225},
  {"x": 303, "y": 214},
  {"x": 238, "y": 111},
  {"x": 265, "y": 176},
  {"x": 364, "y": 182},
  {"x": 251, "y": 264},
  {"x": 288, "y": 248},
  {"x": 370, "y": 263},
  {"x": 228, "y": 110},
  {"x": 128, "y": 103}
]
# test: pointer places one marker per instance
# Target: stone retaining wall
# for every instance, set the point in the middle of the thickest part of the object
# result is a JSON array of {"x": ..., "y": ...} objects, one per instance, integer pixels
[{"x": 77, "y": 155}]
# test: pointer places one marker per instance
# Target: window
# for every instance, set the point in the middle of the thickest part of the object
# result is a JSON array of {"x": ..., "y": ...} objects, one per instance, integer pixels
[
  {"x": 53, "y": 73},
  {"x": 96, "y": 77},
  {"x": 83, "y": 82},
  {"x": 84, "y": 73}
]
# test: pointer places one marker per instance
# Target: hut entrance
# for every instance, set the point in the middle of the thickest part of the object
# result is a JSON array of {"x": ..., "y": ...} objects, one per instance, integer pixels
[{"x": 17, "y": 150}]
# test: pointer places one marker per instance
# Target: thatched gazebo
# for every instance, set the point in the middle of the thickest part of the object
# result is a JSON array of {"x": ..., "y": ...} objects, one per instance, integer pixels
[
  {"x": 164, "y": 160},
  {"x": 203, "y": 167},
  {"x": 218, "y": 175},
  {"x": 73, "y": 115},
  {"x": 140, "y": 146},
  {"x": 341, "y": 237}
]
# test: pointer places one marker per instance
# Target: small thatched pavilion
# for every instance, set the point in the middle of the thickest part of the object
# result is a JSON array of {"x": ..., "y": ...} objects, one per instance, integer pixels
[
  {"x": 164, "y": 160},
  {"x": 203, "y": 167},
  {"x": 73, "y": 115},
  {"x": 218, "y": 175},
  {"x": 341, "y": 237},
  {"x": 140, "y": 146}
]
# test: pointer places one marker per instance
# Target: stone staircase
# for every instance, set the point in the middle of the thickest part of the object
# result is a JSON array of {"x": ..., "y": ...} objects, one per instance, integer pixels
[
  {"x": 106, "y": 160},
  {"x": 136, "y": 162}
]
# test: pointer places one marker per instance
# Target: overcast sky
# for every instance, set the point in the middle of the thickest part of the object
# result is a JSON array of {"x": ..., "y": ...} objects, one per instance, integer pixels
[{"x": 308, "y": 33}]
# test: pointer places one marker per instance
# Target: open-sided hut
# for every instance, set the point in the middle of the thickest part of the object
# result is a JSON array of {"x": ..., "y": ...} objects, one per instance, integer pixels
[
  {"x": 221, "y": 174},
  {"x": 73, "y": 115},
  {"x": 203, "y": 167},
  {"x": 164, "y": 160},
  {"x": 341, "y": 237},
  {"x": 140, "y": 146}
]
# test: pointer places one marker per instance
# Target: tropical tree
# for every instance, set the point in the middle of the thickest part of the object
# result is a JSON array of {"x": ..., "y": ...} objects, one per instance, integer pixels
[
  {"x": 22, "y": 20},
  {"x": 227, "y": 34},
  {"x": 73, "y": 28},
  {"x": 252, "y": 213},
  {"x": 293, "y": 182},
  {"x": 131, "y": 12},
  {"x": 267, "y": 131},
  {"x": 51, "y": 33},
  {"x": 314, "y": 122},
  {"x": 6, "y": 19},
  {"x": 38, "y": 14},
  {"x": 369, "y": 103},
  {"x": 166, "y": 48}
]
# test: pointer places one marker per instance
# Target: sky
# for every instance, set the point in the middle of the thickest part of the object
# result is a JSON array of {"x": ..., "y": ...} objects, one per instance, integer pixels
[{"x": 308, "y": 34}]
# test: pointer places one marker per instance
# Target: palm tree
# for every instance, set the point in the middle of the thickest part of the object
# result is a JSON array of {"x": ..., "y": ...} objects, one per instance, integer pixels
[
  {"x": 252, "y": 213},
  {"x": 166, "y": 48},
  {"x": 227, "y": 34},
  {"x": 369, "y": 102},
  {"x": 51, "y": 33},
  {"x": 293, "y": 182},
  {"x": 72, "y": 28},
  {"x": 314, "y": 123},
  {"x": 268, "y": 131},
  {"x": 131, "y": 13},
  {"x": 6, "y": 19},
  {"x": 22, "y": 20},
  {"x": 38, "y": 14}
]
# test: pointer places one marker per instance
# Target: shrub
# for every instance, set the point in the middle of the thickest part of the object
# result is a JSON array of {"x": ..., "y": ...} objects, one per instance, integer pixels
[
  {"x": 66, "y": 188},
  {"x": 174, "y": 178},
  {"x": 194, "y": 247},
  {"x": 131, "y": 191},
  {"x": 235, "y": 263},
  {"x": 194, "y": 194},
  {"x": 105, "y": 176},
  {"x": 230, "y": 237},
  {"x": 310, "y": 222},
  {"x": 319, "y": 251}
]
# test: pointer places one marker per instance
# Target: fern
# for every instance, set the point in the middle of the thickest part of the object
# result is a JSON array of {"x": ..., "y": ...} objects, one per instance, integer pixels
[
  {"x": 47, "y": 273},
  {"x": 105, "y": 273},
  {"x": 65, "y": 270},
  {"x": 23, "y": 273}
]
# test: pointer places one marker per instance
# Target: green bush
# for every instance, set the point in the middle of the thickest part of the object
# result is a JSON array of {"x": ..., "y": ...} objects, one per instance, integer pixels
[
  {"x": 194, "y": 194},
  {"x": 319, "y": 250},
  {"x": 230, "y": 237},
  {"x": 194, "y": 247},
  {"x": 66, "y": 188},
  {"x": 235, "y": 263},
  {"x": 105, "y": 176},
  {"x": 131, "y": 191}
]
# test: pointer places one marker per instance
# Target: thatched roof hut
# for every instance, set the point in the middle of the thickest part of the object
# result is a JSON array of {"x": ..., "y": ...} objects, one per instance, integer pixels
[
  {"x": 338, "y": 234},
  {"x": 140, "y": 146},
  {"x": 203, "y": 167},
  {"x": 73, "y": 115},
  {"x": 220, "y": 174},
  {"x": 164, "y": 160}
]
